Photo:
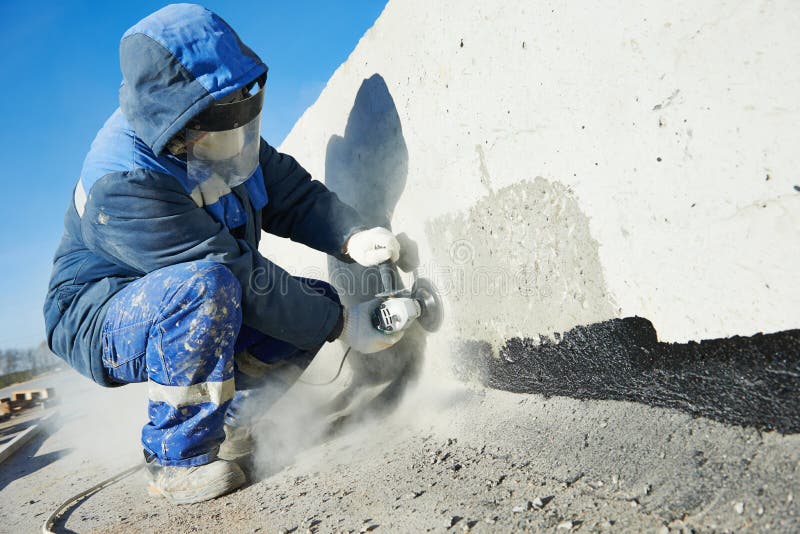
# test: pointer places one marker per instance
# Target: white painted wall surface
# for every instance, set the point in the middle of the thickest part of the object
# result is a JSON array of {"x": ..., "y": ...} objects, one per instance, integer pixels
[{"x": 588, "y": 96}]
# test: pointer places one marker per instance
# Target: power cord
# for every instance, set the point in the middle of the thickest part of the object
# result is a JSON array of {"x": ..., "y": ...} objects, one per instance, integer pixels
[
  {"x": 50, "y": 523},
  {"x": 332, "y": 380}
]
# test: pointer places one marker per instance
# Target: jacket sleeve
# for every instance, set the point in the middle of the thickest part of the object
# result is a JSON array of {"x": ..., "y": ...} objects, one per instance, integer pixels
[
  {"x": 303, "y": 209},
  {"x": 145, "y": 221}
]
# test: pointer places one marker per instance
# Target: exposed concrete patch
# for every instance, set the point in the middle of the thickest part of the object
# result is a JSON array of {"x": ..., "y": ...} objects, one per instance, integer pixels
[
  {"x": 748, "y": 381},
  {"x": 520, "y": 262}
]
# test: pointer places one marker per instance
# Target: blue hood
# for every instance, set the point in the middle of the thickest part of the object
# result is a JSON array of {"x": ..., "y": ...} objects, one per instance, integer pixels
[{"x": 176, "y": 63}]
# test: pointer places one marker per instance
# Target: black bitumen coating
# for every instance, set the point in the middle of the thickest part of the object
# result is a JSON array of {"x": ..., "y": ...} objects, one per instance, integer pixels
[{"x": 748, "y": 381}]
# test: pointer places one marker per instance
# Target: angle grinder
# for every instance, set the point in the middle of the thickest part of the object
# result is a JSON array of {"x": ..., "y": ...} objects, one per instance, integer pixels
[{"x": 401, "y": 307}]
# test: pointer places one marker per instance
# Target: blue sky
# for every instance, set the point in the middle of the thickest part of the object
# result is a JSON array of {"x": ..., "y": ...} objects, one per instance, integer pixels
[{"x": 59, "y": 75}]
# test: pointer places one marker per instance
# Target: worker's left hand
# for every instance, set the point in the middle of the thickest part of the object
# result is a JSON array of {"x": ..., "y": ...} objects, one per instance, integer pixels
[
  {"x": 359, "y": 333},
  {"x": 373, "y": 246}
]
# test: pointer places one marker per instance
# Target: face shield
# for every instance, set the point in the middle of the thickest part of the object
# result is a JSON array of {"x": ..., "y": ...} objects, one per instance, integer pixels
[{"x": 222, "y": 143}]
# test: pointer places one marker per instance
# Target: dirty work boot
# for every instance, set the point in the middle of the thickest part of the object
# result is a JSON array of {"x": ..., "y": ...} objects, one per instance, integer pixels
[
  {"x": 239, "y": 444},
  {"x": 184, "y": 485}
]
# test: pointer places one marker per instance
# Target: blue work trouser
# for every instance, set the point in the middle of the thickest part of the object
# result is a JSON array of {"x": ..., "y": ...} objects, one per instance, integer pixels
[{"x": 178, "y": 328}]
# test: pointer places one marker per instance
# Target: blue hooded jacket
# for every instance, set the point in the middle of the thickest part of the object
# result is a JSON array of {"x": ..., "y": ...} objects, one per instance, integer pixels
[{"x": 134, "y": 211}]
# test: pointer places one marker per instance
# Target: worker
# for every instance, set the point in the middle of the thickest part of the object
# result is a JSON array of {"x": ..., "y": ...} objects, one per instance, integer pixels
[{"x": 158, "y": 276}]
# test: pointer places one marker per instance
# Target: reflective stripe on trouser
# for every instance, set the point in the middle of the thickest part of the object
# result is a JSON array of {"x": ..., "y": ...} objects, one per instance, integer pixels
[
  {"x": 266, "y": 366},
  {"x": 176, "y": 328}
]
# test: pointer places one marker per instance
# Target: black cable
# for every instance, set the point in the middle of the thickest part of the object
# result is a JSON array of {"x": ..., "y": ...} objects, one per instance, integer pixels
[
  {"x": 332, "y": 380},
  {"x": 49, "y": 525}
]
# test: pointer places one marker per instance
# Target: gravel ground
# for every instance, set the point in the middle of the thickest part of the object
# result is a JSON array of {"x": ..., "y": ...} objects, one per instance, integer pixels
[
  {"x": 459, "y": 458},
  {"x": 451, "y": 457}
]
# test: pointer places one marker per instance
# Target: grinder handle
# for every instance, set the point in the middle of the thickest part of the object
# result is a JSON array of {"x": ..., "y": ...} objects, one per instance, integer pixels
[
  {"x": 409, "y": 253},
  {"x": 387, "y": 277}
]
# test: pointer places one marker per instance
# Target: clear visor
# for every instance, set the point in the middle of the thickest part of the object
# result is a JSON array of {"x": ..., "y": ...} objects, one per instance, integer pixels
[{"x": 230, "y": 156}]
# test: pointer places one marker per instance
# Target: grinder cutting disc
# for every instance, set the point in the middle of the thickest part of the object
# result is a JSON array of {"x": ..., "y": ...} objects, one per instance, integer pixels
[{"x": 430, "y": 303}]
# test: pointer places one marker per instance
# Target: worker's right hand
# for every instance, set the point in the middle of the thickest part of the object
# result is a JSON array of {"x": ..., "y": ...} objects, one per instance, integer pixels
[{"x": 359, "y": 333}]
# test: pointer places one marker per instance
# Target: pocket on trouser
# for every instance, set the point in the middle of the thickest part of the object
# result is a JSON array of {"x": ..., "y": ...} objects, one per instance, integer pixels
[{"x": 124, "y": 351}]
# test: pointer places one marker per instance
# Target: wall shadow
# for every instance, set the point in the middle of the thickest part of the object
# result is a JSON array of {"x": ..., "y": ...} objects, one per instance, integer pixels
[
  {"x": 747, "y": 381},
  {"x": 368, "y": 169}
]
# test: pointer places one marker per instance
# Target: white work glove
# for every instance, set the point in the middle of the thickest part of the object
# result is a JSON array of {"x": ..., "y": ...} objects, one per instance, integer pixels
[
  {"x": 359, "y": 333},
  {"x": 373, "y": 246}
]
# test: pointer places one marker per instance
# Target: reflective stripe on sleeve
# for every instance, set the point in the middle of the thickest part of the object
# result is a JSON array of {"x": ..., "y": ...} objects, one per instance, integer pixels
[
  {"x": 80, "y": 198},
  {"x": 179, "y": 396}
]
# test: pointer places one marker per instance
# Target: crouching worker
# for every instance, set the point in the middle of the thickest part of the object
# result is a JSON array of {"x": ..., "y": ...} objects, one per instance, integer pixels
[{"x": 158, "y": 277}]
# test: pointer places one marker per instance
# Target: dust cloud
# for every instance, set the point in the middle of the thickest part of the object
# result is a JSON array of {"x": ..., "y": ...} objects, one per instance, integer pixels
[{"x": 95, "y": 425}]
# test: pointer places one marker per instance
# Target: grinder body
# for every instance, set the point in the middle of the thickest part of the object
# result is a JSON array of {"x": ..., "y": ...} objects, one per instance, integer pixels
[
  {"x": 395, "y": 314},
  {"x": 400, "y": 308}
]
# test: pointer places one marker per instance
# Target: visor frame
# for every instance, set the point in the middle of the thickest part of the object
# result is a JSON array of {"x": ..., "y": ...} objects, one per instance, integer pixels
[{"x": 221, "y": 117}]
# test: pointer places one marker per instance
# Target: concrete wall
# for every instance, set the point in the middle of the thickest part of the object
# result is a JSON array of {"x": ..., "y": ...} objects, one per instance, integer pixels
[{"x": 566, "y": 163}]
